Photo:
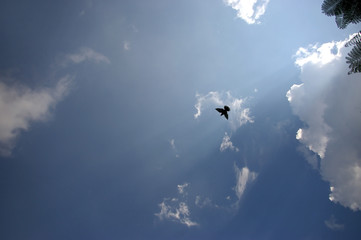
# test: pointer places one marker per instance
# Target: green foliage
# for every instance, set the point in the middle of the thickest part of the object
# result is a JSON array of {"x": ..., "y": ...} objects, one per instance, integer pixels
[
  {"x": 345, "y": 11},
  {"x": 355, "y": 40},
  {"x": 354, "y": 56},
  {"x": 329, "y": 7},
  {"x": 354, "y": 59}
]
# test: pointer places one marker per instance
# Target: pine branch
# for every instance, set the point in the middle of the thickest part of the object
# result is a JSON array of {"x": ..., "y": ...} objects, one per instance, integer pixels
[
  {"x": 355, "y": 40},
  {"x": 354, "y": 59},
  {"x": 329, "y": 7}
]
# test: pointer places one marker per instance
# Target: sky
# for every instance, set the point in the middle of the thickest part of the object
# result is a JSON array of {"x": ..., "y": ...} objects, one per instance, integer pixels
[{"x": 108, "y": 128}]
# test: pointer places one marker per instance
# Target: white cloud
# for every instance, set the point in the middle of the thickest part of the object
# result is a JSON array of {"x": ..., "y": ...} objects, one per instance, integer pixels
[
  {"x": 206, "y": 202},
  {"x": 173, "y": 146},
  {"x": 134, "y": 28},
  {"x": 86, "y": 54},
  {"x": 227, "y": 144},
  {"x": 171, "y": 210},
  {"x": 182, "y": 187},
  {"x": 176, "y": 210},
  {"x": 126, "y": 45},
  {"x": 238, "y": 115},
  {"x": 244, "y": 177},
  {"x": 249, "y": 10},
  {"x": 88, "y": 5},
  {"x": 328, "y": 102},
  {"x": 20, "y": 105},
  {"x": 211, "y": 97},
  {"x": 333, "y": 225}
]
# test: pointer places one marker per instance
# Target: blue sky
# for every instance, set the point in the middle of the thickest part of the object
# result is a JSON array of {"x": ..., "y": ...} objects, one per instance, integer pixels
[{"x": 108, "y": 128}]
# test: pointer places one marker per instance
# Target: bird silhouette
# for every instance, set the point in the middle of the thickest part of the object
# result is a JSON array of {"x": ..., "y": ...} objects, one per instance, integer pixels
[{"x": 224, "y": 111}]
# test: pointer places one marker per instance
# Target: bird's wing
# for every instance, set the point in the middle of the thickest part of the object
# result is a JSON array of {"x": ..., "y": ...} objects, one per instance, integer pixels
[
  {"x": 220, "y": 110},
  {"x": 226, "y": 115}
]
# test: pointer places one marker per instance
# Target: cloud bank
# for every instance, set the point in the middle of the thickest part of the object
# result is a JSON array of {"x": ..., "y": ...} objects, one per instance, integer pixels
[
  {"x": 20, "y": 105},
  {"x": 328, "y": 101},
  {"x": 238, "y": 116},
  {"x": 249, "y": 10}
]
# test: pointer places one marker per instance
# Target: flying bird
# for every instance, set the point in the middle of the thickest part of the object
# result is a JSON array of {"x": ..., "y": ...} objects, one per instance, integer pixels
[{"x": 224, "y": 111}]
